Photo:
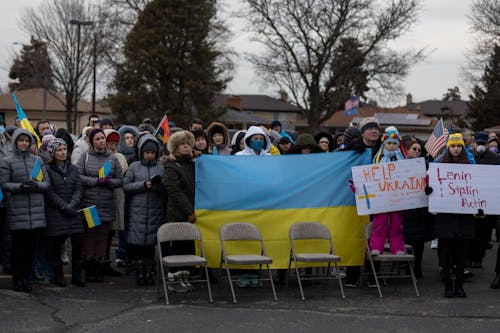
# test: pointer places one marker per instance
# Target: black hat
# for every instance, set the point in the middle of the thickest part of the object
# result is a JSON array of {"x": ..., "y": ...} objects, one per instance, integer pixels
[
  {"x": 275, "y": 123},
  {"x": 149, "y": 146},
  {"x": 284, "y": 140},
  {"x": 105, "y": 121},
  {"x": 481, "y": 137}
]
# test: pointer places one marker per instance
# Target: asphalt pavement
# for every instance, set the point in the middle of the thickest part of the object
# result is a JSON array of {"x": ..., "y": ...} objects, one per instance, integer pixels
[{"x": 118, "y": 305}]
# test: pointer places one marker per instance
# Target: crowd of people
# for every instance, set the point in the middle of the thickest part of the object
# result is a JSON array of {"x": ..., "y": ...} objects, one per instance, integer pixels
[{"x": 137, "y": 183}]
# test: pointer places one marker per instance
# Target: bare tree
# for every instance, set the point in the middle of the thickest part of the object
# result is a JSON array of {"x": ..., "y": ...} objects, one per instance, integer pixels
[
  {"x": 50, "y": 24},
  {"x": 300, "y": 39}
]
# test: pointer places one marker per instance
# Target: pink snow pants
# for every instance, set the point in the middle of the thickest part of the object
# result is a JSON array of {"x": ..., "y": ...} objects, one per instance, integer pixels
[{"x": 388, "y": 225}]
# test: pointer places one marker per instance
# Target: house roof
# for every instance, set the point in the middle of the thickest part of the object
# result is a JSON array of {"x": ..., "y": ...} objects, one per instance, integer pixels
[
  {"x": 32, "y": 100},
  {"x": 235, "y": 116},
  {"x": 438, "y": 107},
  {"x": 257, "y": 103}
]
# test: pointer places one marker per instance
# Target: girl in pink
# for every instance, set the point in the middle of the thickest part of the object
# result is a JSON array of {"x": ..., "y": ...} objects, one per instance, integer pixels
[{"x": 388, "y": 224}]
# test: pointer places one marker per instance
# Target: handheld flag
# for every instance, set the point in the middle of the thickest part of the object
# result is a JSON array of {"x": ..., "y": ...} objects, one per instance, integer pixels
[
  {"x": 1, "y": 194},
  {"x": 25, "y": 123},
  {"x": 91, "y": 217},
  {"x": 437, "y": 139},
  {"x": 351, "y": 106},
  {"x": 162, "y": 133},
  {"x": 104, "y": 171},
  {"x": 36, "y": 172}
]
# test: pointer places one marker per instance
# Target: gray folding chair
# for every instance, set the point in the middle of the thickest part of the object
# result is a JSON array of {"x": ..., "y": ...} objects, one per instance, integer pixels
[
  {"x": 238, "y": 232},
  {"x": 181, "y": 231},
  {"x": 386, "y": 257},
  {"x": 312, "y": 231}
]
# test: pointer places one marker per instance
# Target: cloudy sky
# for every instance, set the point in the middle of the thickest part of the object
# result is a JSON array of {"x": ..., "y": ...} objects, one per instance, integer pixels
[{"x": 442, "y": 28}]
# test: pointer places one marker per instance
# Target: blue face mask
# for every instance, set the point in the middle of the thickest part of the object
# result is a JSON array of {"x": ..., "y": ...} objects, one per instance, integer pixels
[
  {"x": 257, "y": 145},
  {"x": 2, "y": 130}
]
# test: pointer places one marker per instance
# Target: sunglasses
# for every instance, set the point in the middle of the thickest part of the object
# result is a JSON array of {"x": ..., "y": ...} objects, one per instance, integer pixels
[{"x": 416, "y": 149}]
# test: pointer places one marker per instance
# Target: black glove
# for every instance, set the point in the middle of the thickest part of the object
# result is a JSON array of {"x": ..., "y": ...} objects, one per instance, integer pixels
[
  {"x": 480, "y": 213},
  {"x": 69, "y": 211},
  {"x": 29, "y": 186},
  {"x": 156, "y": 179},
  {"x": 428, "y": 190}
]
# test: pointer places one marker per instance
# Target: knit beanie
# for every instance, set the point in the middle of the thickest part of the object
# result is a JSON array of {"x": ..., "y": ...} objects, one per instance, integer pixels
[
  {"x": 455, "y": 139},
  {"x": 105, "y": 121},
  {"x": 369, "y": 122},
  {"x": 481, "y": 137},
  {"x": 112, "y": 136},
  {"x": 46, "y": 140},
  {"x": 391, "y": 134},
  {"x": 93, "y": 134},
  {"x": 350, "y": 134},
  {"x": 54, "y": 144},
  {"x": 149, "y": 146}
]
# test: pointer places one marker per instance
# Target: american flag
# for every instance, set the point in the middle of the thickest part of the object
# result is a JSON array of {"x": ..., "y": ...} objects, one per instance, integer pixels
[
  {"x": 351, "y": 106},
  {"x": 437, "y": 139}
]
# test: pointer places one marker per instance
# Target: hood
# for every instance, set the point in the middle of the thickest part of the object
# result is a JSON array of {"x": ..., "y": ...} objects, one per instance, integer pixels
[
  {"x": 305, "y": 141},
  {"x": 122, "y": 147},
  {"x": 16, "y": 134},
  {"x": 235, "y": 137},
  {"x": 252, "y": 131},
  {"x": 142, "y": 141},
  {"x": 212, "y": 128},
  {"x": 108, "y": 131},
  {"x": 331, "y": 139}
]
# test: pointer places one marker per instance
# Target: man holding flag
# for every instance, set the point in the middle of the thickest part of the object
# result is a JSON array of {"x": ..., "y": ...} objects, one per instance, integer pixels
[{"x": 23, "y": 181}]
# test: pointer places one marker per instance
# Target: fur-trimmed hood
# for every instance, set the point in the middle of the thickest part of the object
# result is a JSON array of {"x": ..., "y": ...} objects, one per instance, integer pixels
[{"x": 217, "y": 127}]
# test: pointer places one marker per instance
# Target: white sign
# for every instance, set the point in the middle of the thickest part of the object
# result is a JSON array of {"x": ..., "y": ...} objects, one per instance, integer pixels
[
  {"x": 464, "y": 188},
  {"x": 389, "y": 187}
]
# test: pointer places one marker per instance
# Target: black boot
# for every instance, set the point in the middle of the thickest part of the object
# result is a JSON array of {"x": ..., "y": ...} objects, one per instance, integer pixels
[
  {"x": 90, "y": 270},
  {"x": 77, "y": 276},
  {"x": 26, "y": 285},
  {"x": 448, "y": 287},
  {"x": 459, "y": 285},
  {"x": 150, "y": 273},
  {"x": 58, "y": 274},
  {"x": 496, "y": 282},
  {"x": 108, "y": 270},
  {"x": 99, "y": 270},
  {"x": 140, "y": 273},
  {"x": 16, "y": 283}
]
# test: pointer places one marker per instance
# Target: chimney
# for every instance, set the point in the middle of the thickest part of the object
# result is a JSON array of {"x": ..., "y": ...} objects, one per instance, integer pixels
[
  {"x": 409, "y": 99},
  {"x": 234, "y": 102},
  {"x": 283, "y": 96}
]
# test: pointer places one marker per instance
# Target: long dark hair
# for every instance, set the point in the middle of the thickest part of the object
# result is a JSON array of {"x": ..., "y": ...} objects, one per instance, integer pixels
[{"x": 448, "y": 158}]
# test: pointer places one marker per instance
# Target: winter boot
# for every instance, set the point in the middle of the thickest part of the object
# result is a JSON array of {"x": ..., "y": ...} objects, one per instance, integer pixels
[
  {"x": 99, "y": 270},
  {"x": 496, "y": 282},
  {"x": 77, "y": 276},
  {"x": 89, "y": 265},
  {"x": 26, "y": 285},
  {"x": 140, "y": 273},
  {"x": 16, "y": 283},
  {"x": 459, "y": 289},
  {"x": 150, "y": 274},
  {"x": 448, "y": 287},
  {"x": 58, "y": 279}
]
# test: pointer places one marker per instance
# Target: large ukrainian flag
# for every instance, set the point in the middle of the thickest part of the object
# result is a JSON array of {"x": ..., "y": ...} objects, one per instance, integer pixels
[{"x": 273, "y": 192}]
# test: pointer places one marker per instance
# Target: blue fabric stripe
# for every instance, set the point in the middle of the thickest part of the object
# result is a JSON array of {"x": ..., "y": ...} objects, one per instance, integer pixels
[{"x": 276, "y": 182}]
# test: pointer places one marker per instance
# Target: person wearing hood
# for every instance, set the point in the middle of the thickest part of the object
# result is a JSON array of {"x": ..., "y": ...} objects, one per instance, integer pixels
[
  {"x": 325, "y": 141},
  {"x": 81, "y": 146},
  {"x": 25, "y": 206},
  {"x": 305, "y": 144},
  {"x": 99, "y": 192},
  {"x": 63, "y": 219},
  {"x": 237, "y": 142},
  {"x": 127, "y": 141},
  {"x": 200, "y": 142},
  {"x": 338, "y": 141},
  {"x": 218, "y": 138},
  {"x": 143, "y": 184},
  {"x": 256, "y": 142}
]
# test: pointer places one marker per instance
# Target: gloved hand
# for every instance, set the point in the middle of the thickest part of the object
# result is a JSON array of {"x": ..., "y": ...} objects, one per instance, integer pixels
[
  {"x": 480, "y": 213},
  {"x": 29, "y": 186},
  {"x": 351, "y": 185},
  {"x": 69, "y": 211},
  {"x": 192, "y": 218},
  {"x": 428, "y": 190},
  {"x": 101, "y": 181}
]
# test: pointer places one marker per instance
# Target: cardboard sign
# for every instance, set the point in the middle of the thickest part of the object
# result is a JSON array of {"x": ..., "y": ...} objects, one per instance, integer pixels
[
  {"x": 389, "y": 187},
  {"x": 464, "y": 188}
]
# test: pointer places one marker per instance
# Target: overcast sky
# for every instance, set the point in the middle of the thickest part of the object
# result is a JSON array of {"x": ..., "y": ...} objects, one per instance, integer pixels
[{"x": 442, "y": 28}]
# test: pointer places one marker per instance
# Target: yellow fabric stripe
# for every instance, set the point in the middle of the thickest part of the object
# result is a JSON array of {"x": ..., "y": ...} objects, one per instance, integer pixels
[
  {"x": 88, "y": 218},
  {"x": 344, "y": 224}
]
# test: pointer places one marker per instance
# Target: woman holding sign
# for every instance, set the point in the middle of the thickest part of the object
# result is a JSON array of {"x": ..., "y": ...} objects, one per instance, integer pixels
[
  {"x": 453, "y": 230},
  {"x": 23, "y": 182},
  {"x": 63, "y": 219},
  {"x": 101, "y": 173}
]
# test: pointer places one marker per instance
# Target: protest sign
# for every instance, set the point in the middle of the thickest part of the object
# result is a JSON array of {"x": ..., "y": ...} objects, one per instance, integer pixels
[
  {"x": 464, "y": 188},
  {"x": 389, "y": 187}
]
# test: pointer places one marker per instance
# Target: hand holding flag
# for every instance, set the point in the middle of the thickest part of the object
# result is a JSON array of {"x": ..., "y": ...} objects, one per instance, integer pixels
[
  {"x": 91, "y": 216},
  {"x": 105, "y": 170},
  {"x": 36, "y": 172}
]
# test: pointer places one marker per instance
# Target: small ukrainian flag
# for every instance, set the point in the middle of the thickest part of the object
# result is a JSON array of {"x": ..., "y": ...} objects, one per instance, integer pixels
[
  {"x": 104, "y": 171},
  {"x": 92, "y": 217},
  {"x": 36, "y": 172},
  {"x": 1, "y": 194}
]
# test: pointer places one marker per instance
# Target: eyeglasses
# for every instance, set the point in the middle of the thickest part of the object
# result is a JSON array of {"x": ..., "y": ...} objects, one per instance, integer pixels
[{"x": 323, "y": 141}]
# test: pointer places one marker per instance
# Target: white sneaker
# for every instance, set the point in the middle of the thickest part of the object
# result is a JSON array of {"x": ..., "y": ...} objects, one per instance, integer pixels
[
  {"x": 176, "y": 282},
  {"x": 434, "y": 244},
  {"x": 375, "y": 252},
  {"x": 400, "y": 253}
]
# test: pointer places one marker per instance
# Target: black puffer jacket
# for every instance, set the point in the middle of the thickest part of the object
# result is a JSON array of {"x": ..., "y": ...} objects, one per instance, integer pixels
[
  {"x": 147, "y": 206},
  {"x": 99, "y": 195},
  {"x": 418, "y": 225},
  {"x": 66, "y": 190},
  {"x": 179, "y": 184},
  {"x": 25, "y": 209}
]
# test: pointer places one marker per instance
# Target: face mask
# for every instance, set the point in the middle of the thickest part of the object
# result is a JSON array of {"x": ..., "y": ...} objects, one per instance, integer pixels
[
  {"x": 342, "y": 146},
  {"x": 480, "y": 149},
  {"x": 257, "y": 145},
  {"x": 494, "y": 149},
  {"x": 2, "y": 130}
]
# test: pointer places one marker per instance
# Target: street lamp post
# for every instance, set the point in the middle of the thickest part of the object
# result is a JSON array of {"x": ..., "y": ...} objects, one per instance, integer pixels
[{"x": 79, "y": 24}]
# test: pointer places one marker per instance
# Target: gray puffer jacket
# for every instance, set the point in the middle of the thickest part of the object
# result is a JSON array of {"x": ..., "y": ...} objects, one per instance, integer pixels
[
  {"x": 99, "y": 195},
  {"x": 65, "y": 191},
  {"x": 25, "y": 208},
  {"x": 147, "y": 209}
]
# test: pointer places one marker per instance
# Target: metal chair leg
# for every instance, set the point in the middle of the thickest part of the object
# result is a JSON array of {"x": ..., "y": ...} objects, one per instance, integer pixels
[
  {"x": 231, "y": 284},
  {"x": 340, "y": 280},
  {"x": 272, "y": 282},
  {"x": 413, "y": 278},
  {"x": 298, "y": 279},
  {"x": 208, "y": 286}
]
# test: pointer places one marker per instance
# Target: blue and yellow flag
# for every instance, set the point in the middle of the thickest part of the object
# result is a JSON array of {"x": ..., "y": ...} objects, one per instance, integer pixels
[
  {"x": 25, "y": 123},
  {"x": 36, "y": 172},
  {"x": 92, "y": 217},
  {"x": 104, "y": 171},
  {"x": 274, "y": 192},
  {"x": 1, "y": 194}
]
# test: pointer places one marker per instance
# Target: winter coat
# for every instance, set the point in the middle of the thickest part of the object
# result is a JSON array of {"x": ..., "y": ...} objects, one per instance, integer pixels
[
  {"x": 66, "y": 190},
  {"x": 99, "y": 195},
  {"x": 179, "y": 184},
  {"x": 253, "y": 130},
  {"x": 25, "y": 208},
  {"x": 80, "y": 148},
  {"x": 418, "y": 225},
  {"x": 146, "y": 206},
  {"x": 488, "y": 157}
]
